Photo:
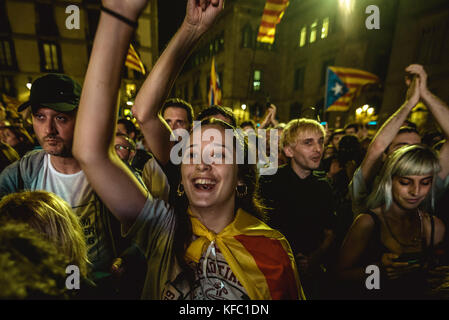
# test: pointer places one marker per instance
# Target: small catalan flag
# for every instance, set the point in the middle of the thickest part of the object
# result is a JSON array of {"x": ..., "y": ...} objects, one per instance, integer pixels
[
  {"x": 272, "y": 15},
  {"x": 133, "y": 61}
]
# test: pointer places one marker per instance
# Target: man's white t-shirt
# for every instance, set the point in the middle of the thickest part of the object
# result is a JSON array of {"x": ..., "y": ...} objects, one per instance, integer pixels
[{"x": 76, "y": 190}]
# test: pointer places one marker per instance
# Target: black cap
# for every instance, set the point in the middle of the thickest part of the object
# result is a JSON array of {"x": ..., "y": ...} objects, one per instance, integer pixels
[{"x": 55, "y": 91}]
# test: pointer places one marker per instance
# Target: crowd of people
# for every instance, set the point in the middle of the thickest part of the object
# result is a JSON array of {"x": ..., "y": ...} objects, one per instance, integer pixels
[{"x": 82, "y": 188}]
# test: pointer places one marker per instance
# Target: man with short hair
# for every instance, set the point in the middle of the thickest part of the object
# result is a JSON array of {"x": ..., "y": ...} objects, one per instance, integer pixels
[
  {"x": 54, "y": 100},
  {"x": 302, "y": 202},
  {"x": 178, "y": 114}
]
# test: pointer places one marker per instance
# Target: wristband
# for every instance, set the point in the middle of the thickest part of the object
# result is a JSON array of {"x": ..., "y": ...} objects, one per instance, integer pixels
[{"x": 129, "y": 22}]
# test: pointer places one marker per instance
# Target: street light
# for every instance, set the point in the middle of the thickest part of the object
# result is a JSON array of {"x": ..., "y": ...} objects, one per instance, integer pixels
[
  {"x": 243, "y": 106},
  {"x": 28, "y": 85}
]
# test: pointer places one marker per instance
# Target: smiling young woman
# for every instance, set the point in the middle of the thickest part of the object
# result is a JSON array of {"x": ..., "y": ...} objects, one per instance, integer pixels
[
  {"x": 398, "y": 234},
  {"x": 209, "y": 244}
]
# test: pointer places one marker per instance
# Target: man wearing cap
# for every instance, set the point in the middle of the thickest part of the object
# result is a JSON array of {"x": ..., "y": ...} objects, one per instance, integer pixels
[{"x": 54, "y": 100}]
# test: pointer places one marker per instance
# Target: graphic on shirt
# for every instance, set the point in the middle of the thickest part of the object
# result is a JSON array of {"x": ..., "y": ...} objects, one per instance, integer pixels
[{"x": 218, "y": 282}]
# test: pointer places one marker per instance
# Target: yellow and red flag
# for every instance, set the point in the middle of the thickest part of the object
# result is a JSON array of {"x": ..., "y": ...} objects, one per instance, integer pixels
[
  {"x": 214, "y": 86},
  {"x": 133, "y": 61},
  {"x": 343, "y": 85},
  {"x": 260, "y": 257},
  {"x": 272, "y": 15}
]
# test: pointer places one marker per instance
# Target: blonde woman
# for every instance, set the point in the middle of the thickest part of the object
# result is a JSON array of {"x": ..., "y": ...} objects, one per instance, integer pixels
[
  {"x": 398, "y": 234},
  {"x": 53, "y": 218}
]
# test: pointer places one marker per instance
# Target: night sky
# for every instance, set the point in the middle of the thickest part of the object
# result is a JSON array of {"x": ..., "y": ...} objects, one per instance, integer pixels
[{"x": 171, "y": 14}]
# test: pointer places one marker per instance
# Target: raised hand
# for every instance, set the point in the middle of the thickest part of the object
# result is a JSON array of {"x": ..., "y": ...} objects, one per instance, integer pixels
[
  {"x": 413, "y": 92},
  {"x": 418, "y": 70},
  {"x": 201, "y": 14}
]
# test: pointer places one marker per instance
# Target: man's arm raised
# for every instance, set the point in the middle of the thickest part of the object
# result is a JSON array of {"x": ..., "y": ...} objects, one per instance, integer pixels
[
  {"x": 200, "y": 16},
  {"x": 440, "y": 112},
  {"x": 96, "y": 118}
]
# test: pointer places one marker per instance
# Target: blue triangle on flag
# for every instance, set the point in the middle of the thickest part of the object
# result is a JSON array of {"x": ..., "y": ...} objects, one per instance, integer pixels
[{"x": 336, "y": 88}]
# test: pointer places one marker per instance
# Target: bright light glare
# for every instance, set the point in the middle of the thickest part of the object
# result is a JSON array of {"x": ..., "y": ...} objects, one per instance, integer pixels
[
  {"x": 347, "y": 6},
  {"x": 243, "y": 106},
  {"x": 28, "y": 85}
]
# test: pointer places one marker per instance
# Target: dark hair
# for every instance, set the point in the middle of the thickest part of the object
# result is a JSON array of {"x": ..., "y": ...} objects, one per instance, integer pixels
[
  {"x": 218, "y": 110},
  {"x": 349, "y": 149},
  {"x": 249, "y": 123},
  {"x": 129, "y": 126},
  {"x": 179, "y": 103},
  {"x": 26, "y": 142},
  {"x": 128, "y": 139},
  {"x": 404, "y": 129},
  {"x": 352, "y": 125},
  {"x": 251, "y": 203}
]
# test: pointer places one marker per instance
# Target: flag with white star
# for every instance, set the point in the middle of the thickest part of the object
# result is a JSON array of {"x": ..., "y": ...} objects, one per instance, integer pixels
[{"x": 342, "y": 86}]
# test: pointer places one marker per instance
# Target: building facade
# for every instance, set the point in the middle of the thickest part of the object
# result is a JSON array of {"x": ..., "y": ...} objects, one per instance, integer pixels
[
  {"x": 313, "y": 35},
  {"x": 39, "y": 37}
]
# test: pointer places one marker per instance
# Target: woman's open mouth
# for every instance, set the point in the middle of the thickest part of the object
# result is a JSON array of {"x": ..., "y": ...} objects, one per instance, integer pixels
[{"x": 204, "y": 184}]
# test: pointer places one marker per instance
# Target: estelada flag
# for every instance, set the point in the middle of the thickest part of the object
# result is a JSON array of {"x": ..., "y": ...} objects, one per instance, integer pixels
[
  {"x": 343, "y": 85},
  {"x": 272, "y": 15},
  {"x": 215, "y": 93},
  {"x": 259, "y": 256},
  {"x": 133, "y": 61}
]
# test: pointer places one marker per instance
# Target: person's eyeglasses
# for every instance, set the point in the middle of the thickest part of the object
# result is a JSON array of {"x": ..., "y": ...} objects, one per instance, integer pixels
[{"x": 120, "y": 147}]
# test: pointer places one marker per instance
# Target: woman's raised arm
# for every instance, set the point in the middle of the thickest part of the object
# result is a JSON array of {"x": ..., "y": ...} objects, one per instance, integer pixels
[{"x": 97, "y": 114}]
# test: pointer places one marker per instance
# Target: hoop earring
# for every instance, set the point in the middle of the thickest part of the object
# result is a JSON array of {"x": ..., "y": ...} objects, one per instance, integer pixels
[
  {"x": 180, "y": 190},
  {"x": 242, "y": 190}
]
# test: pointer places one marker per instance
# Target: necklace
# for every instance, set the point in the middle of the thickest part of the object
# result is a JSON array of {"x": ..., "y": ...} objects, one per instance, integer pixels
[{"x": 415, "y": 240}]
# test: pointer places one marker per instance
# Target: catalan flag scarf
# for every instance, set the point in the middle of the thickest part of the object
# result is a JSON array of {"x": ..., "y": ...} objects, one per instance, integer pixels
[{"x": 260, "y": 257}]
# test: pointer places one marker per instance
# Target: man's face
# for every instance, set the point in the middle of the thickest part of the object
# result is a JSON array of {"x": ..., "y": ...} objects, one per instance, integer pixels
[
  {"x": 54, "y": 130},
  {"x": 336, "y": 139},
  {"x": 403, "y": 139},
  {"x": 124, "y": 149},
  {"x": 351, "y": 131},
  {"x": 176, "y": 118},
  {"x": 306, "y": 154}
]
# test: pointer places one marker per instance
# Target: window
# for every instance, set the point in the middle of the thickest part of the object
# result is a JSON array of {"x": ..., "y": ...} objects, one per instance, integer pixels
[
  {"x": 325, "y": 28},
  {"x": 196, "y": 90},
  {"x": 295, "y": 110},
  {"x": 257, "y": 80},
  {"x": 298, "y": 83},
  {"x": 313, "y": 31},
  {"x": 303, "y": 37},
  {"x": 46, "y": 20},
  {"x": 7, "y": 86},
  {"x": 247, "y": 37},
  {"x": 50, "y": 56},
  {"x": 7, "y": 60}
]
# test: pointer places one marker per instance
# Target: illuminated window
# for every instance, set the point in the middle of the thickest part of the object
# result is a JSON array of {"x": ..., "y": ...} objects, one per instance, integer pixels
[
  {"x": 313, "y": 31},
  {"x": 50, "y": 56},
  {"x": 303, "y": 37},
  {"x": 325, "y": 28},
  {"x": 257, "y": 80}
]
